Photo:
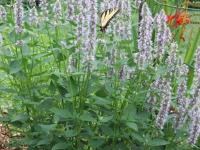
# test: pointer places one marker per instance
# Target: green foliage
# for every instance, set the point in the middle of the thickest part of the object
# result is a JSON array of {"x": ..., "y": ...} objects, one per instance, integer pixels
[{"x": 53, "y": 109}]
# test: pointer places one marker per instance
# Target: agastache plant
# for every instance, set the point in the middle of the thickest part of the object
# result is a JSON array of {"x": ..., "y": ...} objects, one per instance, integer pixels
[
  {"x": 145, "y": 35},
  {"x": 182, "y": 100},
  {"x": 194, "y": 130},
  {"x": 89, "y": 42},
  {"x": 172, "y": 59},
  {"x": 196, "y": 80},
  {"x": 122, "y": 26},
  {"x": 57, "y": 9},
  {"x": 1, "y": 39},
  {"x": 33, "y": 16},
  {"x": 155, "y": 87},
  {"x": 138, "y": 3},
  {"x": 163, "y": 34},
  {"x": 19, "y": 14},
  {"x": 3, "y": 13},
  {"x": 70, "y": 10},
  {"x": 44, "y": 7},
  {"x": 32, "y": 3},
  {"x": 165, "y": 104}
]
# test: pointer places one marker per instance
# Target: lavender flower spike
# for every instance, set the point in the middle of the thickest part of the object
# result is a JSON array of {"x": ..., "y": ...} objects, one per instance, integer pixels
[
  {"x": 196, "y": 80},
  {"x": 138, "y": 2},
  {"x": 197, "y": 69},
  {"x": 19, "y": 14},
  {"x": 162, "y": 33},
  {"x": 172, "y": 60},
  {"x": 44, "y": 7},
  {"x": 2, "y": 13},
  {"x": 194, "y": 130},
  {"x": 32, "y": 3},
  {"x": 70, "y": 10},
  {"x": 165, "y": 105},
  {"x": 145, "y": 36},
  {"x": 57, "y": 9},
  {"x": 33, "y": 16}
]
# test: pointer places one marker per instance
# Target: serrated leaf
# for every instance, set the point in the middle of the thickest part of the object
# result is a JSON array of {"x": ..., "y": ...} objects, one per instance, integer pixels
[
  {"x": 15, "y": 66},
  {"x": 158, "y": 142},
  {"x": 20, "y": 118},
  {"x": 62, "y": 113},
  {"x": 105, "y": 118},
  {"x": 132, "y": 125},
  {"x": 47, "y": 128},
  {"x": 70, "y": 133},
  {"x": 43, "y": 142},
  {"x": 60, "y": 146},
  {"x": 86, "y": 116},
  {"x": 95, "y": 143}
]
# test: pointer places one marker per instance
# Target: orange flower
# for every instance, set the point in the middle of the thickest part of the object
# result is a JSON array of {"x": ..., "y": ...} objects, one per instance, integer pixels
[
  {"x": 178, "y": 19},
  {"x": 170, "y": 19}
]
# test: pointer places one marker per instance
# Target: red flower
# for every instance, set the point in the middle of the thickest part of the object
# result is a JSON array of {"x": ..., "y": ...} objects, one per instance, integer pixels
[{"x": 178, "y": 19}]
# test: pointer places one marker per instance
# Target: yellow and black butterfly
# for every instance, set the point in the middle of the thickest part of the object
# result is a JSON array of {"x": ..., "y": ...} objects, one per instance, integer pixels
[{"x": 106, "y": 17}]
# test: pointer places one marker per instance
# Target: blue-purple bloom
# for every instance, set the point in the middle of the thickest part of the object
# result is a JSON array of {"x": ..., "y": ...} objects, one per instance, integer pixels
[
  {"x": 163, "y": 35},
  {"x": 165, "y": 104},
  {"x": 194, "y": 130},
  {"x": 172, "y": 59},
  {"x": 19, "y": 14},
  {"x": 145, "y": 35},
  {"x": 182, "y": 100},
  {"x": 33, "y": 16},
  {"x": 57, "y": 9},
  {"x": 3, "y": 13}
]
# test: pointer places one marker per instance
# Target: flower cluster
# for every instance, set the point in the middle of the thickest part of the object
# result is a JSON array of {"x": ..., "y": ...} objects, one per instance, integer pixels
[
  {"x": 155, "y": 87},
  {"x": 2, "y": 13},
  {"x": 163, "y": 34},
  {"x": 57, "y": 9},
  {"x": 138, "y": 3},
  {"x": 194, "y": 130},
  {"x": 145, "y": 35},
  {"x": 172, "y": 59},
  {"x": 33, "y": 16},
  {"x": 182, "y": 100},
  {"x": 165, "y": 104},
  {"x": 19, "y": 14},
  {"x": 32, "y": 3},
  {"x": 122, "y": 26},
  {"x": 44, "y": 7},
  {"x": 71, "y": 10}
]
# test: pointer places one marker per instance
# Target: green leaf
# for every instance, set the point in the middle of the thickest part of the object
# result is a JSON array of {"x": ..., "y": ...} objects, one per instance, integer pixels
[
  {"x": 105, "y": 118},
  {"x": 72, "y": 86},
  {"x": 132, "y": 125},
  {"x": 101, "y": 101},
  {"x": 70, "y": 133},
  {"x": 20, "y": 118},
  {"x": 47, "y": 128},
  {"x": 102, "y": 92},
  {"x": 96, "y": 143},
  {"x": 46, "y": 104},
  {"x": 25, "y": 50},
  {"x": 62, "y": 113},
  {"x": 86, "y": 116},
  {"x": 191, "y": 51},
  {"x": 59, "y": 146},
  {"x": 158, "y": 142},
  {"x": 138, "y": 137},
  {"x": 15, "y": 66},
  {"x": 43, "y": 142}
]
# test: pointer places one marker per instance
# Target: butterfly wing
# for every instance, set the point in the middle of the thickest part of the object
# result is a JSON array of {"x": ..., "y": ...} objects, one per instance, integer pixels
[{"x": 107, "y": 16}]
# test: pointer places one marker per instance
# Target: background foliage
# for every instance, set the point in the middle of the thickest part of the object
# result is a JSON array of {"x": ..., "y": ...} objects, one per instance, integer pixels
[{"x": 54, "y": 109}]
